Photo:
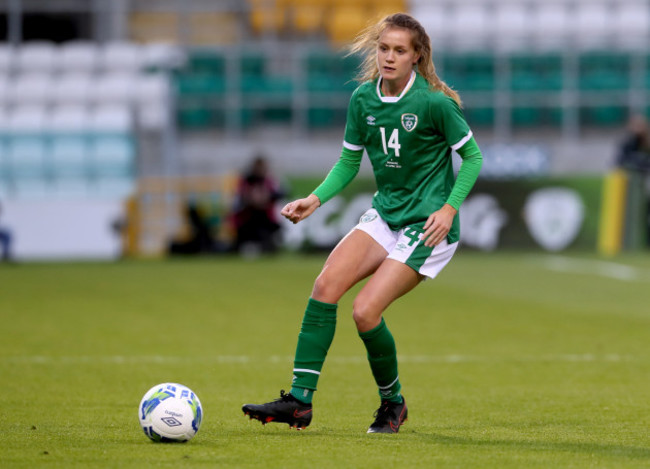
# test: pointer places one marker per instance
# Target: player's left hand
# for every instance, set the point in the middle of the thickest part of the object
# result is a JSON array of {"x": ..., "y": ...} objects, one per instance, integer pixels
[{"x": 438, "y": 225}]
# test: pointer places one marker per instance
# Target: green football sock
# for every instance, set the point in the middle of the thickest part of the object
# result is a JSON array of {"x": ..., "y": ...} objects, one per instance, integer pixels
[
  {"x": 382, "y": 356},
  {"x": 314, "y": 340}
]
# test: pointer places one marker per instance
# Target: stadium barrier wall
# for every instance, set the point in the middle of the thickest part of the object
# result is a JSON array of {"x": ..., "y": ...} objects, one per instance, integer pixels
[{"x": 551, "y": 214}]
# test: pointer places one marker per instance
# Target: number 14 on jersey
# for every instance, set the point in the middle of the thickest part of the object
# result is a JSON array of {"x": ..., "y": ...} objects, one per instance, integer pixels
[{"x": 393, "y": 141}]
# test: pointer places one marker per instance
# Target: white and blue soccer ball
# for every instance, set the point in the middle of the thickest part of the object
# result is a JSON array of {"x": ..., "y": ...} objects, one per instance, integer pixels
[{"x": 170, "y": 412}]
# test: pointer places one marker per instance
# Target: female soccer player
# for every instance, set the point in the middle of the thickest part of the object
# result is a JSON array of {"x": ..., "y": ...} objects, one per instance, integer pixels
[{"x": 408, "y": 121}]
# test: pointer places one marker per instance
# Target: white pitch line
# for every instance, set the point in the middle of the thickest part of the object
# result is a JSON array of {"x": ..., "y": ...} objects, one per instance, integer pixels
[
  {"x": 596, "y": 267},
  {"x": 351, "y": 360}
]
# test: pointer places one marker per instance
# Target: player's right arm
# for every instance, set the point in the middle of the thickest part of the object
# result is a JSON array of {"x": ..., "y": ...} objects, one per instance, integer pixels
[{"x": 344, "y": 171}]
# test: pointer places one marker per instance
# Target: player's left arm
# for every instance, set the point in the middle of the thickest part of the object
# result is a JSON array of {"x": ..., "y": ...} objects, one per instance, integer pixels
[{"x": 439, "y": 222}]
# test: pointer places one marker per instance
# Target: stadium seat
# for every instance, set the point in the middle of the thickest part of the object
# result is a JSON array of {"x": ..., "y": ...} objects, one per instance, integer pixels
[
  {"x": 210, "y": 28},
  {"x": 206, "y": 61},
  {"x": 469, "y": 71},
  {"x": 479, "y": 116},
  {"x": 551, "y": 22},
  {"x": 112, "y": 156},
  {"x": 307, "y": 16},
  {"x": 73, "y": 88},
  {"x": 68, "y": 131},
  {"x": 152, "y": 88},
  {"x": 604, "y": 71},
  {"x": 152, "y": 101},
  {"x": 381, "y": 8},
  {"x": 434, "y": 17},
  {"x": 30, "y": 87},
  {"x": 512, "y": 24},
  {"x": 528, "y": 116},
  {"x": 7, "y": 54},
  {"x": 124, "y": 57},
  {"x": 154, "y": 26},
  {"x": 79, "y": 57},
  {"x": 199, "y": 85},
  {"x": 252, "y": 63},
  {"x": 535, "y": 72},
  {"x": 69, "y": 157},
  {"x": 345, "y": 22},
  {"x": 27, "y": 155},
  {"x": 4, "y": 90},
  {"x": 159, "y": 56},
  {"x": 69, "y": 119},
  {"x": 603, "y": 115},
  {"x": 470, "y": 27},
  {"x": 118, "y": 87},
  {"x": 26, "y": 145},
  {"x": 591, "y": 25},
  {"x": 631, "y": 25},
  {"x": 5, "y": 168},
  {"x": 111, "y": 118},
  {"x": 111, "y": 144},
  {"x": 196, "y": 115},
  {"x": 37, "y": 56},
  {"x": 268, "y": 16},
  {"x": 27, "y": 119}
]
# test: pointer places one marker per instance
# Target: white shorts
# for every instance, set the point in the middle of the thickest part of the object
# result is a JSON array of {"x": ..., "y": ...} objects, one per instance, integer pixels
[{"x": 406, "y": 245}]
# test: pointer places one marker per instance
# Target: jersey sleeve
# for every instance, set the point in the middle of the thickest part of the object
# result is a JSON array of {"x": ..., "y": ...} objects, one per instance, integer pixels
[
  {"x": 353, "y": 139},
  {"x": 448, "y": 118},
  {"x": 343, "y": 172},
  {"x": 467, "y": 174}
]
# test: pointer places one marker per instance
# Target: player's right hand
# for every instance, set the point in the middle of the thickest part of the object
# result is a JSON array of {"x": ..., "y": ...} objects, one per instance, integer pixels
[{"x": 300, "y": 209}]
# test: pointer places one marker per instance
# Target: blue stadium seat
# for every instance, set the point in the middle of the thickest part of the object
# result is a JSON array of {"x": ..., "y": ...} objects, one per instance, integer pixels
[
  {"x": 5, "y": 172},
  {"x": 112, "y": 156},
  {"x": 69, "y": 157},
  {"x": 27, "y": 155}
]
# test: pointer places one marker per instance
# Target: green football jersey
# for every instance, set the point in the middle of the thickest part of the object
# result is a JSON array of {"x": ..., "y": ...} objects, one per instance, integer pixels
[{"x": 409, "y": 139}]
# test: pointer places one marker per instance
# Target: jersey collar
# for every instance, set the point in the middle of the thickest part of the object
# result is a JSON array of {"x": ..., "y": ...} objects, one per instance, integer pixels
[{"x": 394, "y": 99}]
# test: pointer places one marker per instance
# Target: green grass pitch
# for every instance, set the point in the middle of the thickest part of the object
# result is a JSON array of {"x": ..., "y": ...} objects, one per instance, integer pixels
[{"x": 513, "y": 360}]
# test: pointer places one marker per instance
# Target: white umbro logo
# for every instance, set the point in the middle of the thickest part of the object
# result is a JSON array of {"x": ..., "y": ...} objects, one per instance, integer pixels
[{"x": 370, "y": 120}]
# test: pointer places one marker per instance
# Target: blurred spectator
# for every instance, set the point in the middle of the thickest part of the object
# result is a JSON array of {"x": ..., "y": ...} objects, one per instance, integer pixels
[
  {"x": 634, "y": 156},
  {"x": 201, "y": 239},
  {"x": 254, "y": 215},
  {"x": 634, "y": 152},
  {"x": 5, "y": 241}
]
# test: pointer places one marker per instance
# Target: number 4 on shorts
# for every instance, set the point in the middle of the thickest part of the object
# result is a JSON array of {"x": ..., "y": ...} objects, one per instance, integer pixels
[{"x": 413, "y": 235}]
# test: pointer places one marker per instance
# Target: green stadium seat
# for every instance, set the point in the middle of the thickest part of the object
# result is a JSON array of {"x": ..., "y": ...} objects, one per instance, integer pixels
[
  {"x": 605, "y": 80},
  {"x": 194, "y": 116},
  {"x": 331, "y": 63},
  {"x": 209, "y": 62},
  {"x": 199, "y": 84},
  {"x": 604, "y": 71},
  {"x": 603, "y": 115},
  {"x": 535, "y": 72},
  {"x": 526, "y": 116},
  {"x": 252, "y": 64},
  {"x": 469, "y": 71},
  {"x": 326, "y": 117},
  {"x": 479, "y": 116}
]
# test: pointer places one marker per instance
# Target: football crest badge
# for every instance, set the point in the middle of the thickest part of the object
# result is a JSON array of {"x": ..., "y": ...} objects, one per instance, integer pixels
[{"x": 409, "y": 121}]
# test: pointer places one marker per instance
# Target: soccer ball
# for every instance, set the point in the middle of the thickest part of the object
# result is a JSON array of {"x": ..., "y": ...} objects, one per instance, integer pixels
[{"x": 170, "y": 412}]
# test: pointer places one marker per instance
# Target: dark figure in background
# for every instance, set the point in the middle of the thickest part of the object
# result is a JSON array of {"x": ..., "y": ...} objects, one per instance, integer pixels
[
  {"x": 200, "y": 240},
  {"x": 635, "y": 150},
  {"x": 254, "y": 216},
  {"x": 5, "y": 242},
  {"x": 634, "y": 157}
]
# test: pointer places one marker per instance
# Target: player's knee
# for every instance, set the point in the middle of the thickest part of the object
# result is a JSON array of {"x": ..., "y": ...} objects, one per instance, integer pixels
[
  {"x": 326, "y": 289},
  {"x": 365, "y": 316}
]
